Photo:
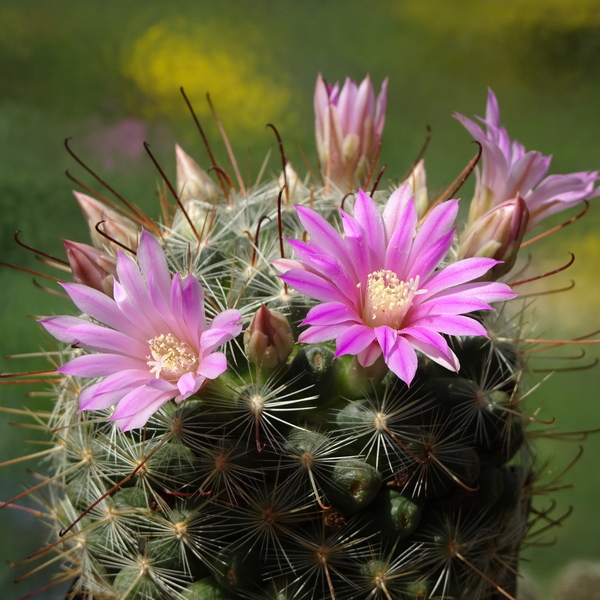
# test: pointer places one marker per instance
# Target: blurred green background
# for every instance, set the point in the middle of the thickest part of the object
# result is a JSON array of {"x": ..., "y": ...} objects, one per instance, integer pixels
[{"x": 108, "y": 74}]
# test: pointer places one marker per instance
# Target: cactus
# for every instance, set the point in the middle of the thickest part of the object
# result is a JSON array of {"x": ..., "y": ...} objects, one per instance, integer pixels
[{"x": 384, "y": 452}]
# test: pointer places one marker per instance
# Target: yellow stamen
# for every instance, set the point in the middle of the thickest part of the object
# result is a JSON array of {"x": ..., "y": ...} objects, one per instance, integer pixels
[
  {"x": 170, "y": 358},
  {"x": 387, "y": 299}
]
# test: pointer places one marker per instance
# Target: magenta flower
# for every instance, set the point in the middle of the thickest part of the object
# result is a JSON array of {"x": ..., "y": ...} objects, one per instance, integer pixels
[
  {"x": 507, "y": 170},
  {"x": 348, "y": 129},
  {"x": 156, "y": 346},
  {"x": 379, "y": 287}
]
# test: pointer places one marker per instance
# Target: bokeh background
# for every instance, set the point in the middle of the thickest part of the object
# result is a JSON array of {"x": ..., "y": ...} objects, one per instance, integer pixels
[{"x": 108, "y": 74}]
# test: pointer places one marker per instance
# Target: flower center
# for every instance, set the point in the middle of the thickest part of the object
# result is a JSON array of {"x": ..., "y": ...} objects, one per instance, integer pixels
[
  {"x": 169, "y": 357},
  {"x": 387, "y": 299}
]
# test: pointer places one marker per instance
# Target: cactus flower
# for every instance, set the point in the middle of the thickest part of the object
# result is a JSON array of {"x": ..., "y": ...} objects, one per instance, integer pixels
[
  {"x": 348, "y": 124},
  {"x": 156, "y": 346},
  {"x": 380, "y": 285},
  {"x": 507, "y": 170},
  {"x": 497, "y": 234}
]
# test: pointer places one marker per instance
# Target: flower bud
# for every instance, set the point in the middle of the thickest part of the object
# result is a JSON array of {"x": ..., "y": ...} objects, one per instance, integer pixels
[
  {"x": 498, "y": 235},
  {"x": 349, "y": 124},
  {"x": 268, "y": 341},
  {"x": 116, "y": 226},
  {"x": 91, "y": 267},
  {"x": 193, "y": 183}
]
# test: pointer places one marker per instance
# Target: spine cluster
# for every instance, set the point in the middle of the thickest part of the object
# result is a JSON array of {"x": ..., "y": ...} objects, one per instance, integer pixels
[{"x": 292, "y": 391}]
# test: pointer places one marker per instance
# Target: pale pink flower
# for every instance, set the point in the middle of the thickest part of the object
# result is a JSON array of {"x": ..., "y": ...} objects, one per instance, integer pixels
[
  {"x": 348, "y": 129},
  {"x": 381, "y": 287},
  {"x": 507, "y": 170},
  {"x": 156, "y": 345}
]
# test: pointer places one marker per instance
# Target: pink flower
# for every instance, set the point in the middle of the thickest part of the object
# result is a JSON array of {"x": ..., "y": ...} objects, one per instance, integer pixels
[
  {"x": 380, "y": 286},
  {"x": 507, "y": 170},
  {"x": 348, "y": 130},
  {"x": 156, "y": 346}
]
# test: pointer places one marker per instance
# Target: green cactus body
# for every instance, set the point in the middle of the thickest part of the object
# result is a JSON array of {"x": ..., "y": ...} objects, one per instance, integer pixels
[{"x": 312, "y": 477}]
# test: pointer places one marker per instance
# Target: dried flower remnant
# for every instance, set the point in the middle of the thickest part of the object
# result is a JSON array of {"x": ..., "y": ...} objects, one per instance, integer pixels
[
  {"x": 116, "y": 226},
  {"x": 380, "y": 286},
  {"x": 507, "y": 170},
  {"x": 157, "y": 345},
  {"x": 193, "y": 183}
]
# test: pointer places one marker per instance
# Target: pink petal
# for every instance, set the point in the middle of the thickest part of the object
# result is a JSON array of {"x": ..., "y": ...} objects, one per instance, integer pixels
[
  {"x": 435, "y": 228},
  {"x": 317, "y": 333},
  {"x": 354, "y": 340},
  {"x": 101, "y": 307},
  {"x": 132, "y": 281},
  {"x": 102, "y": 339},
  {"x": 139, "y": 398},
  {"x": 132, "y": 313},
  {"x": 283, "y": 265},
  {"x": 325, "y": 266},
  {"x": 367, "y": 215},
  {"x": 313, "y": 286},
  {"x": 223, "y": 328},
  {"x": 492, "y": 112},
  {"x": 369, "y": 355},
  {"x": 433, "y": 345},
  {"x": 152, "y": 260},
  {"x": 398, "y": 354},
  {"x": 401, "y": 221},
  {"x": 429, "y": 258},
  {"x": 153, "y": 402},
  {"x": 111, "y": 390},
  {"x": 189, "y": 384},
  {"x": 330, "y": 313},
  {"x": 99, "y": 365},
  {"x": 193, "y": 307},
  {"x": 380, "y": 111},
  {"x": 60, "y": 327},
  {"x": 213, "y": 365},
  {"x": 230, "y": 320},
  {"x": 364, "y": 105},
  {"x": 451, "y": 325},
  {"x": 322, "y": 234},
  {"x": 452, "y": 304},
  {"x": 492, "y": 291},
  {"x": 524, "y": 175},
  {"x": 457, "y": 273}
]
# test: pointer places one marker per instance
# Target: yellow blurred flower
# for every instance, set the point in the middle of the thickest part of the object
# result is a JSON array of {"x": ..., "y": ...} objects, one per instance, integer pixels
[
  {"x": 204, "y": 58},
  {"x": 489, "y": 18}
]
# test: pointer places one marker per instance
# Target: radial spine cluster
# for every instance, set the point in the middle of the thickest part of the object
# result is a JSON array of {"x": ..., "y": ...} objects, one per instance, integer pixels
[{"x": 290, "y": 391}]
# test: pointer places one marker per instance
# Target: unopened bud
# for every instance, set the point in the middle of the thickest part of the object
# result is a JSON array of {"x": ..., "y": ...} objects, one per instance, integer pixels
[
  {"x": 193, "y": 183},
  {"x": 91, "y": 267},
  {"x": 418, "y": 182},
  {"x": 498, "y": 235},
  {"x": 268, "y": 341},
  {"x": 115, "y": 226}
]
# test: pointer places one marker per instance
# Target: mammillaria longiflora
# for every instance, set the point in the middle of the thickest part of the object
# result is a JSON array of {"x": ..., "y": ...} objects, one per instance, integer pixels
[{"x": 365, "y": 437}]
